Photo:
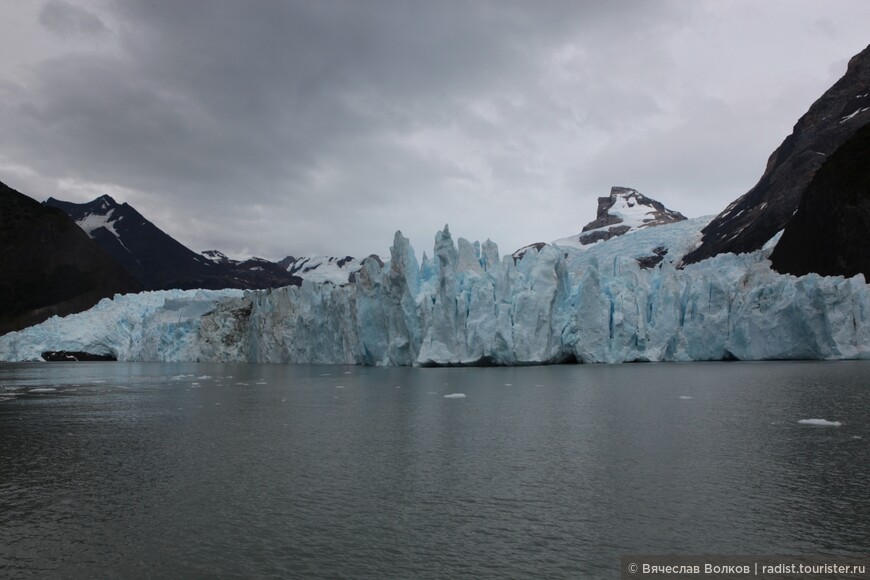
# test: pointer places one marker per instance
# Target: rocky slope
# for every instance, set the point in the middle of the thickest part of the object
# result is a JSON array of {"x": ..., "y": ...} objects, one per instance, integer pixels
[
  {"x": 828, "y": 234},
  {"x": 49, "y": 265},
  {"x": 753, "y": 219}
]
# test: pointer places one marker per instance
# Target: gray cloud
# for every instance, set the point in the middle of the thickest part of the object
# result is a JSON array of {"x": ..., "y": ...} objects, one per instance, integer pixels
[
  {"x": 302, "y": 127},
  {"x": 67, "y": 20}
]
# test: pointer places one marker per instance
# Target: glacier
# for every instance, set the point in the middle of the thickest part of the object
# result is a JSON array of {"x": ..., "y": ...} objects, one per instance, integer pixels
[{"x": 466, "y": 305}]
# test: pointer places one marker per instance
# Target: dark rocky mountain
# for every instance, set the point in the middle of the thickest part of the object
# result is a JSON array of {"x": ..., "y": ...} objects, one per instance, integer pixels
[
  {"x": 828, "y": 234},
  {"x": 158, "y": 261},
  {"x": 261, "y": 273},
  {"x": 750, "y": 221},
  {"x": 49, "y": 265}
]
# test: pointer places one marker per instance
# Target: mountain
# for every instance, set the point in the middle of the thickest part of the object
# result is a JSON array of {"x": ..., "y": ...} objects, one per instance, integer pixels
[
  {"x": 254, "y": 272},
  {"x": 828, "y": 234},
  {"x": 754, "y": 218},
  {"x": 50, "y": 266},
  {"x": 321, "y": 269},
  {"x": 158, "y": 261},
  {"x": 624, "y": 210}
]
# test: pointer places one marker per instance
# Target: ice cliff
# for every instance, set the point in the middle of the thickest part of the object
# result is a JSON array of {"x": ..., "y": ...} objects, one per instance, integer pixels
[{"x": 465, "y": 305}]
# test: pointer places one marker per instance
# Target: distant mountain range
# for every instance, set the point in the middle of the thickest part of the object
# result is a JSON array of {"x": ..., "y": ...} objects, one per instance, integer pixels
[
  {"x": 60, "y": 257},
  {"x": 158, "y": 261}
]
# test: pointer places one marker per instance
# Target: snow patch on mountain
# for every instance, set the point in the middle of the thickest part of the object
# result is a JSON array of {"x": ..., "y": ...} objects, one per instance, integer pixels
[
  {"x": 853, "y": 114},
  {"x": 95, "y": 221},
  {"x": 321, "y": 269},
  {"x": 215, "y": 256},
  {"x": 630, "y": 212}
]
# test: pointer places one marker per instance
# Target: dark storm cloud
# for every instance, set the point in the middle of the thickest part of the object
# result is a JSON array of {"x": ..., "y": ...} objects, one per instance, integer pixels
[{"x": 219, "y": 102}]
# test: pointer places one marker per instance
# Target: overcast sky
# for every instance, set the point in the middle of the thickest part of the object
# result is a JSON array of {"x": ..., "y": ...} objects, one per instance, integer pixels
[{"x": 317, "y": 127}]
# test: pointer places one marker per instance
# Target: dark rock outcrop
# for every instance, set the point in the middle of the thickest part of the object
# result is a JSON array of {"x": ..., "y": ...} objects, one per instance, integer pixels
[
  {"x": 75, "y": 356},
  {"x": 648, "y": 262},
  {"x": 49, "y": 265},
  {"x": 828, "y": 234},
  {"x": 518, "y": 255},
  {"x": 750, "y": 221}
]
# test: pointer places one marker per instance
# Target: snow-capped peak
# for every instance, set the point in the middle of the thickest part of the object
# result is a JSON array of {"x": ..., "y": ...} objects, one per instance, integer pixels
[
  {"x": 624, "y": 210},
  {"x": 215, "y": 256}
]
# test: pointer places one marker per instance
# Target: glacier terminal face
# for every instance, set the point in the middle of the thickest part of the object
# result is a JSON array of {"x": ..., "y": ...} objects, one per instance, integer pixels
[{"x": 466, "y": 306}]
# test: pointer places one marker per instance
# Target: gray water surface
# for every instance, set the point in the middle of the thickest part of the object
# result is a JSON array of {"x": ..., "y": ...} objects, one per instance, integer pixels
[{"x": 209, "y": 470}]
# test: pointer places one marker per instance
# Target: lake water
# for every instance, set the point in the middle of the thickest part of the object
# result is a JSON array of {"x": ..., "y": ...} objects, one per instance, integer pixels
[{"x": 206, "y": 470}]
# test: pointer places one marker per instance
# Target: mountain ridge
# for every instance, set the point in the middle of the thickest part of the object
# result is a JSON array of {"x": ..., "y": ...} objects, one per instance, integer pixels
[
  {"x": 754, "y": 218},
  {"x": 156, "y": 259}
]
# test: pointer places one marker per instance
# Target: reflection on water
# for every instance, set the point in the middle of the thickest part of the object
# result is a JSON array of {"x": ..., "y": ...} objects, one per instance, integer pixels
[{"x": 131, "y": 470}]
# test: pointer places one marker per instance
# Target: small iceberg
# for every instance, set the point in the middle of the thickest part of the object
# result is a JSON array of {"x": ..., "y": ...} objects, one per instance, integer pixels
[
  {"x": 685, "y": 397},
  {"x": 455, "y": 396},
  {"x": 820, "y": 422}
]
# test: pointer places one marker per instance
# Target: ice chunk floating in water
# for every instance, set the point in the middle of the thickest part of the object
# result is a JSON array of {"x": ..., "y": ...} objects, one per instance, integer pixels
[
  {"x": 820, "y": 422},
  {"x": 455, "y": 396}
]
